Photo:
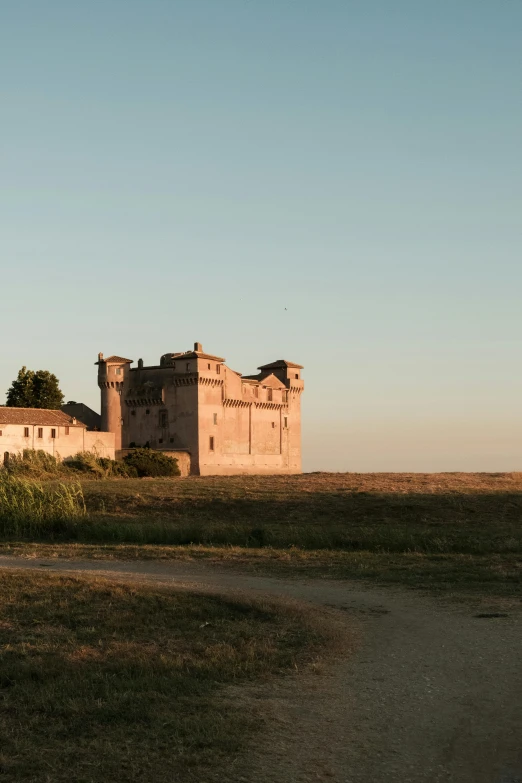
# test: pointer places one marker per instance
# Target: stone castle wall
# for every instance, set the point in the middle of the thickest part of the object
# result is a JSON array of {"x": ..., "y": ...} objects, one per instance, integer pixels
[{"x": 194, "y": 403}]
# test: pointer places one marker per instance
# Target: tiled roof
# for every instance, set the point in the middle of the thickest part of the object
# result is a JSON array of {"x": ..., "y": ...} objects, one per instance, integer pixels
[
  {"x": 118, "y": 359},
  {"x": 36, "y": 416},
  {"x": 198, "y": 355},
  {"x": 268, "y": 380},
  {"x": 280, "y": 363}
]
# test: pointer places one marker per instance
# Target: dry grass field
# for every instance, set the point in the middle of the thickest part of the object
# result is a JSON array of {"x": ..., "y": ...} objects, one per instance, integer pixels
[
  {"x": 442, "y": 531},
  {"x": 104, "y": 681}
]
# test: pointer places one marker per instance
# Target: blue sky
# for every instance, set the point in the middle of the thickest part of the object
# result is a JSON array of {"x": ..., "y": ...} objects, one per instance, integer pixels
[{"x": 182, "y": 170}]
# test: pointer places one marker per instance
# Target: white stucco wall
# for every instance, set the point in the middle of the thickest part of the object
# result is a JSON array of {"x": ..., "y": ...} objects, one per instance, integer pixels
[{"x": 62, "y": 446}]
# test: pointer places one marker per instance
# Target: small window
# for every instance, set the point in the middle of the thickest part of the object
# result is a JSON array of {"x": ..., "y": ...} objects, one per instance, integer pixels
[
  {"x": 26, "y": 432},
  {"x": 164, "y": 419},
  {"x": 211, "y": 443},
  {"x": 161, "y": 440},
  {"x": 40, "y": 432},
  {"x": 285, "y": 396},
  {"x": 118, "y": 370},
  {"x": 67, "y": 430},
  {"x": 285, "y": 422},
  {"x": 53, "y": 433},
  {"x": 133, "y": 413},
  {"x": 215, "y": 418},
  {"x": 273, "y": 425},
  {"x": 269, "y": 395},
  {"x": 147, "y": 411},
  {"x": 209, "y": 366},
  {"x": 188, "y": 366},
  {"x": 256, "y": 391},
  {"x": 218, "y": 368},
  {"x": 172, "y": 440},
  {"x": 0, "y": 433},
  {"x": 297, "y": 376}
]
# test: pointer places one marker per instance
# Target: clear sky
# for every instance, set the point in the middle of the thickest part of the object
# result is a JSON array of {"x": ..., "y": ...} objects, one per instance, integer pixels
[{"x": 333, "y": 182}]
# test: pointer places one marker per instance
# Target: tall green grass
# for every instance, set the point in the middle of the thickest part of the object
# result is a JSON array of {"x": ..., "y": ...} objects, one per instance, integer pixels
[{"x": 31, "y": 508}]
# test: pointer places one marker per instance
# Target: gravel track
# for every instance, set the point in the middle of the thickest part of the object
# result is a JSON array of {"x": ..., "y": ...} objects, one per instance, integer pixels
[{"x": 430, "y": 692}]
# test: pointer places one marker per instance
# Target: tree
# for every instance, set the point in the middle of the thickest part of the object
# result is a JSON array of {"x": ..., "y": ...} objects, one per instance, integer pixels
[
  {"x": 20, "y": 395},
  {"x": 38, "y": 389}
]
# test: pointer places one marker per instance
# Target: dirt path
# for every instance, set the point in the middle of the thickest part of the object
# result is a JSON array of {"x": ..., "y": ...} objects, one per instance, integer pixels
[{"x": 431, "y": 693}]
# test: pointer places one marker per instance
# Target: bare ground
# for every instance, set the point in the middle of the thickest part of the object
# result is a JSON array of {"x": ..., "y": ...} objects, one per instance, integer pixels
[{"x": 431, "y": 690}]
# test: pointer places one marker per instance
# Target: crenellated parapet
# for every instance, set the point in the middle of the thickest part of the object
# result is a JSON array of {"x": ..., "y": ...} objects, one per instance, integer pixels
[
  {"x": 233, "y": 403},
  {"x": 118, "y": 385}
]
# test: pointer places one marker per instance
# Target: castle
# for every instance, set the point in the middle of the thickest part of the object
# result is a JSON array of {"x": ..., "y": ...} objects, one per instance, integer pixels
[{"x": 214, "y": 420}]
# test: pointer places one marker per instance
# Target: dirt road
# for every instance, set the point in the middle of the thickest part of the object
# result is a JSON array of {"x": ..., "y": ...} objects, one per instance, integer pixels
[{"x": 432, "y": 691}]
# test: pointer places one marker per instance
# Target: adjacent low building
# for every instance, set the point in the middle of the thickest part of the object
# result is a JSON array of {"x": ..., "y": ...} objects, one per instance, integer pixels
[
  {"x": 82, "y": 412},
  {"x": 51, "y": 431}
]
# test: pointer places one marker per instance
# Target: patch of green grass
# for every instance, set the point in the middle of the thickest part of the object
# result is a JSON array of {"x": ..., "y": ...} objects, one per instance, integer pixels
[
  {"x": 102, "y": 681},
  {"x": 433, "y": 514},
  {"x": 461, "y": 513},
  {"x": 39, "y": 509},
  {"x": 417, "y": 529}
]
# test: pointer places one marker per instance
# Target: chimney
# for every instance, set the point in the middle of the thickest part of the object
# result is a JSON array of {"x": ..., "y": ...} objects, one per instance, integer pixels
[
  {"x": 100, "y": 357},
  {"x": 140, "y": 364},
  {"x": 198, "y": 347}
]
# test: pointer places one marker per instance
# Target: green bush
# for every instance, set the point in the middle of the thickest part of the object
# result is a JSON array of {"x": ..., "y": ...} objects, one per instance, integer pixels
[
  {"x": 100, "y": 467},
  {"x": 147, "y": 462},
  {"x": 30, "y": 508},
  {"x": 33, "y": 464}
]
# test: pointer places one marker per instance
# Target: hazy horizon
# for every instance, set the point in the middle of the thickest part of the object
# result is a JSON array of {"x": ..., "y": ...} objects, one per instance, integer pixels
[{"x": 338, "y": 184}]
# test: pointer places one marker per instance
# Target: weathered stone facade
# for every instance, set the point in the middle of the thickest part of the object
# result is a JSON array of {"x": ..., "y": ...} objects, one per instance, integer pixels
[{"x": 192, "y": 402}]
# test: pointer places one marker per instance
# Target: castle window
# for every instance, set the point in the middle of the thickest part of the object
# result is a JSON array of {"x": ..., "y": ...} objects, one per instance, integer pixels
[
  {"x": 215, "y": 418},
  {"x": 172, "y": 440},
  {"x": 161, "y": 440},
  {"x": 188, "y": 366},
  {"x": 147, "y": 411},
  {"x": 40, "y": 432},
  {"x": 211, "y": 443},
  {"x": 285, "y": 396},
  {"x": 218, "y": 368},
  {"x": 26, "y": 432},
  {"x": 256, "y": 391},
  {"x": 133, "y": 413},
  {"x": 273, "y": 425},
  {"x": 164, "y": 418},
  {"x": 209, "y": 366},
  {"x": 286, "y": 422},
  {"x": 118, "y": 370},
  {"x": 0, "y": 433},
  {"x": 67, "y": 430},
  {"x": 53, "y": 433},
  {"x": 269, "y": 395},
  {"x": 297, "y": 376}
]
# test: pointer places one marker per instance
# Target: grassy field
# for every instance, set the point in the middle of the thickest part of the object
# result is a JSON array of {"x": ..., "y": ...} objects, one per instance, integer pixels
[
  {"x": 104, "y": 681},
  {"x": 423, "y": 530}
]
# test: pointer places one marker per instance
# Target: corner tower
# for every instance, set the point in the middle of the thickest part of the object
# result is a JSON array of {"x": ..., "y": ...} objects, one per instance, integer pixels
[
  {"x": 289, "y": 374},
  {"x": 111, "y": 376}
]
